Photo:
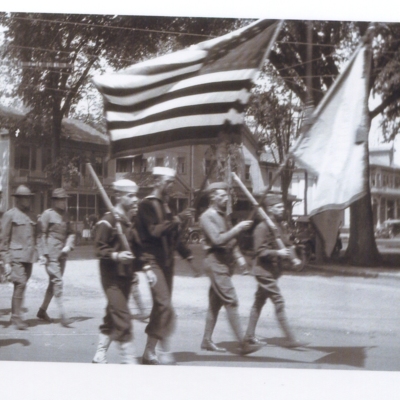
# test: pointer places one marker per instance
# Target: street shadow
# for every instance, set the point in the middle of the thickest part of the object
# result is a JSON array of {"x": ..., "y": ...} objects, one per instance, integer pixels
[
  {"x": 347, "y": 356},
  {"x": 351, "y": 356},
  {"x": 5, "y": 324},
  {"x": 10, "y": 342},
  {"x": 38, "y": 322},
  {"x": 187, "y": 356}
]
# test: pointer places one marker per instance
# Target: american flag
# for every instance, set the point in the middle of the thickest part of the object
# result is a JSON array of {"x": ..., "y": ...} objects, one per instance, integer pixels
[{"x": 185, "y": 97}]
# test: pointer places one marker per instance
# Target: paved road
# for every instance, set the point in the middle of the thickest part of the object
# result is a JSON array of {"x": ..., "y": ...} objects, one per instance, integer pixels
[{"x": 351, "y": 323}]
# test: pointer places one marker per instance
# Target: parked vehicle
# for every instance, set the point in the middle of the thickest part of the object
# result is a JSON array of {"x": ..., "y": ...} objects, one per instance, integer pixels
[{"x": 389, "y": 229}]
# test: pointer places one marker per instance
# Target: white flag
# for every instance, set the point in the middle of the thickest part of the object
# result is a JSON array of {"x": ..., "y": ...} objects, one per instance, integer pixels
[{"x": 334, "y": 148}]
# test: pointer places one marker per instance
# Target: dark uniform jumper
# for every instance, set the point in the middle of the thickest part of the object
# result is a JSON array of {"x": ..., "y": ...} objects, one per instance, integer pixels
[
  {"x": 116, "y": 277},
  {"x": 159, "y": 235}
]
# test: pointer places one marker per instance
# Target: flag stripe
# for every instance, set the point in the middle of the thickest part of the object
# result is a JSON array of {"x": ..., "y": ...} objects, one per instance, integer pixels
[
  {"x": 184, "y": 136},
  {"x": 200, "y": 88},
  {"x": 214, "y": 93},
  {"x": 220, "y": 81},
  {"x": 182, "y": 111},
  {"x": 232, "y": 116}
]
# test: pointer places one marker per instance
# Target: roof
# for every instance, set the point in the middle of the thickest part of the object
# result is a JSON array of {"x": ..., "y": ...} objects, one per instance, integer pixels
[
  {"x": 79, "y": 132},
  {"x": 72, "y": 129},
  {"x": 11, "y": 112},
  {"x": 270, "y": 156}
]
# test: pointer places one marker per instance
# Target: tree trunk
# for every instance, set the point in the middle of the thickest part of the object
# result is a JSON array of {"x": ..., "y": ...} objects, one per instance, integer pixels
[{"x": 362, "y": 249}]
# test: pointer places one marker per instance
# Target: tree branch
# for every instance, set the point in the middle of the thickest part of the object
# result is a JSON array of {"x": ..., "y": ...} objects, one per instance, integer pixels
[{"x": 385, "y": 103}]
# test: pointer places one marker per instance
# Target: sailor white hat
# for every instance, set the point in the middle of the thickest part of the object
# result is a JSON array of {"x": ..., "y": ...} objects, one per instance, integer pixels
[
  {"x": 125, "y": 185},
  {"x": 165, "y": 171}
]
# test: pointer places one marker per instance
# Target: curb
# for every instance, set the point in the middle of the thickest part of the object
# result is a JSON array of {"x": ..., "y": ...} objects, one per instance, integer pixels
[{"x": 354, "y": 271}]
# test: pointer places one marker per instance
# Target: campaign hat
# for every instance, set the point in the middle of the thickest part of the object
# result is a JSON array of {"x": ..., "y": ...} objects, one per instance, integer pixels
[
  {"x": 164, "y": 171},
  {"x": 22, "y": 190},
  {"x": 59, "y": 193},
  {"x": 126, "y": 186}
]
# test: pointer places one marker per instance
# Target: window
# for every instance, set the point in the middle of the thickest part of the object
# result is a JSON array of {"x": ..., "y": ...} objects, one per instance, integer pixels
[
  {"x": 46, "y": 158},
  {"x": 143, "y": 165},
  {"x": 159, "y": 161},
  {"x": 373, "y": 180},
  {"x": 247, "y": 175},
  {"x": 384, "y": 180},
  {"x": 181, "y": 165},
  {"x": 98, "y": 166},
  {"x": 124, "y": 165},
  {"x": 22, "y": 157},
  {"x": 397, "y": 182}
]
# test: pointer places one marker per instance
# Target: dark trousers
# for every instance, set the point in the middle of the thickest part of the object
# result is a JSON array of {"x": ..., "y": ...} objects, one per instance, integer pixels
[
  {"x": 117, "y": 321},
  {"x": 162, "y": 317}
]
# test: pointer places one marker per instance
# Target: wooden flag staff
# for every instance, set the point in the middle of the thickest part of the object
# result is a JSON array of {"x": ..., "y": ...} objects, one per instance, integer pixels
[
  {"x": 296, "y": 262},
  {"x": 107, "y": 201}
]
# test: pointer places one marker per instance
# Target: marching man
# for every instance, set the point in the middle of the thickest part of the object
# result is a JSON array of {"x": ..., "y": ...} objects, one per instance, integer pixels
[
  {"x": 117, "y": 266},
  {"x": 20, "y": 237},
  {"x": 57, "y": 241},
  {"x": 222, "y": 254},
  {"x": 267, "y": 269},
  {"x": 160, "y": 236}
]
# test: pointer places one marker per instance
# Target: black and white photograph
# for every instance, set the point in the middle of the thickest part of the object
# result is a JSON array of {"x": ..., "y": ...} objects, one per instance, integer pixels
[{"x": 213, "y": 199}]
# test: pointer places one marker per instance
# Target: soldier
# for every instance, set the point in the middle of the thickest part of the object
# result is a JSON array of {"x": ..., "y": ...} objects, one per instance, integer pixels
[
  {"x": 57, "y": 242},
  {"x": 19, "y": 243},
  {"x": 267, "y": 269},
  {"x": 159, "y": 233},
  {"x": 222, "y": 253},
  {"x": 117, "y": 270}
]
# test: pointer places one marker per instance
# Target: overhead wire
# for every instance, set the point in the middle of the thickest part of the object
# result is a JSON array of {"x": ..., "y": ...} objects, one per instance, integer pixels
[{"x": 113, "y": 27}]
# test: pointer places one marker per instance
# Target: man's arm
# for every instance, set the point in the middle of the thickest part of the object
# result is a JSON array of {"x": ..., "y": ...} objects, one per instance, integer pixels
[
  {"x": 42, "y": 240},
  {"x": 214, "y": 230},
  {"x": 6, "y": 229}
]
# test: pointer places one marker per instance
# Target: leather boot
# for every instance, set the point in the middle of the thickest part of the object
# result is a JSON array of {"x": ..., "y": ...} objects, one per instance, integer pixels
[
  {"x": 149, "y": 355},
  {"x": 16, "y": 320},
  {"x": 250, "y": 336},
  {"x": 290, "y": 339},
  {"x": 42, "y": 314},
  {"x": 127, "y": 352},
  {"x": 102, "y": 347},
  {"x": 65, "y": 322}
]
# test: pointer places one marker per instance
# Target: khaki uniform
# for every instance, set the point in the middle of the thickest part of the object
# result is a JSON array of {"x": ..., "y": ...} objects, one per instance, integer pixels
[
  {"x": 20, "y": 239},
  {"x": 220, "y": 260},
  {"x": 56, "y": 234}
]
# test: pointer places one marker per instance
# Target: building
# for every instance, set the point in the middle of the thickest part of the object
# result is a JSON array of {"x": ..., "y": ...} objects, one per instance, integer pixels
[
  {"x": 196, "y": 166},
  {"x": 24, "y": 161},
  {"x": 385, "y": 184},
  {"x": 384, "y": 177}
]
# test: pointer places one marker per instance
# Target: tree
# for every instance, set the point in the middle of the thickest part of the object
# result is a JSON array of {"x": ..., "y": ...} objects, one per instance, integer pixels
[
  {"x": 74, "y": 46},
  {"x": 274, "y": 114},
  {"x": 333, "y": 43}
]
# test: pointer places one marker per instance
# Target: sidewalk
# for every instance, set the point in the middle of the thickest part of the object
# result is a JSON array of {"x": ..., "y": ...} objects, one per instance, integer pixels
[
  {"x": 348, "y": 270},
  {"x": 390, "y": 269}
]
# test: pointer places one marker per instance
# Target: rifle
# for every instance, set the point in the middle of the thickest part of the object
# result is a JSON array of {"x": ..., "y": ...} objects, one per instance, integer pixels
[
  {"x": 107, "y": 201},
  {"x": 296, "y": 262}
]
